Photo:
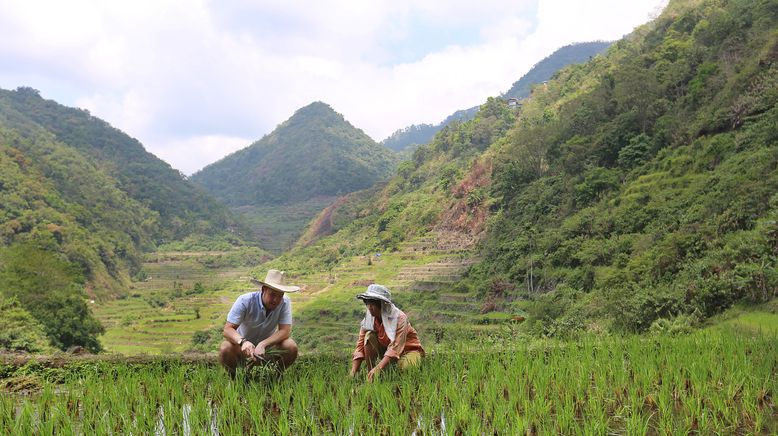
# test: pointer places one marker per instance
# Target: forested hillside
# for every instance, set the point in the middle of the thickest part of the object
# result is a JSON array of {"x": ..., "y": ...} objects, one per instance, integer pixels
[
  {"x": 636, "y": 191},
  {"x": 314, "y": 153},
  {"x": 79, "y": 203},
  {"x": 183, "y": 208},
  {"x": 571, "y": 54},
  {"x": 281, "y": 181}
]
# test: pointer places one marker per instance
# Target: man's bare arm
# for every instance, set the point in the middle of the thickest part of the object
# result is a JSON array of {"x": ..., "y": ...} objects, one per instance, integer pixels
[{"x": 231, "y": 334}]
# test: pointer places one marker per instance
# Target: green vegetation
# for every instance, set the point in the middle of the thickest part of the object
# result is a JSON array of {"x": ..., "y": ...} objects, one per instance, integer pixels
[
  {"x": 630, "y": 193},
  {"x": 633, "y": 194},
  {"x": 748, "y": 320},
  {"x": 20, "y": 332},
  {"x": 408, "y": 137},
  {"x": 181, "y": 297},
  {"x": 705, "y": 383},
  {"x": 278, "y": 226},
  {"x": 603, "y": 259},
  {"x": 550, "y": 65}
]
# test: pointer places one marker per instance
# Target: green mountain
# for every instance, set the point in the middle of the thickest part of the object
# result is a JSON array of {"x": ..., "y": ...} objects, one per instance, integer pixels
[
  {"x": 636, "y": 191},
  {"x": 183, "y": 208},
  {"x": 314, "y": 153},
  {"x": 79, "y": 203},
  {"x": 281, "y": 181},
  {"x": 417, "y": 134}
]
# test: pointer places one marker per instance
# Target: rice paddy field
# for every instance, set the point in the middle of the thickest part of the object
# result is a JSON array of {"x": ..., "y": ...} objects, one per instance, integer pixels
[{"x": 715, "y": 381}]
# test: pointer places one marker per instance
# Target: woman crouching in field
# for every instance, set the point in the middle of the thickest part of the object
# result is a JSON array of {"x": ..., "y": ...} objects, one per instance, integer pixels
[{"x": 385, "y": 334}]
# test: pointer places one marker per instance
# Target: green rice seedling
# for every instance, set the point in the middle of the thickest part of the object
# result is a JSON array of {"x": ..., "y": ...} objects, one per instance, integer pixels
[
  {"x": 7, "y": 411},
  {"x": 199, "y": 415},
  {"x": 27, "y": 419},
  {"x": 257, "y": 420},
  {"x": 145, "y": 415},
  {"x": 565, "y": 415},
  {"x": 637, "y": 423},
  {"x": 228, "y": 412},
  {"x": 692, "y": 413},
  {"x": 430, "y": 408},
  {"x": 104, "y": 424},
  {"x": 595, "y": 413},
  {"x": 170, "y": 416}
]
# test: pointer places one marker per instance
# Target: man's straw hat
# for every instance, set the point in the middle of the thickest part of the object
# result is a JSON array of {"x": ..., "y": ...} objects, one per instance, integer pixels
[{"x": 275, "y": 280}]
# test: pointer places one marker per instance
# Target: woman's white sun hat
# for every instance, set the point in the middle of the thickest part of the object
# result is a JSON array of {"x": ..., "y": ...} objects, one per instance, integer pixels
[
  {"x": 275, "y": 279},
  {"x": 376, "y": 292}
]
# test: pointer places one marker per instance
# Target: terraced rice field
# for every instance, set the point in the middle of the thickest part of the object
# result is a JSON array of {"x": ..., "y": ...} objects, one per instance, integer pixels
[{"x": 160, "y": 315}]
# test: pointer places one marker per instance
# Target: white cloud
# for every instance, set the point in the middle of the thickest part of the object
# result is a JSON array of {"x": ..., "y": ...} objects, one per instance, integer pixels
[
  {"x": 190, "y": 153},
  {"x": 562, "y": 22},
  {"x": 192, "y": 78}
]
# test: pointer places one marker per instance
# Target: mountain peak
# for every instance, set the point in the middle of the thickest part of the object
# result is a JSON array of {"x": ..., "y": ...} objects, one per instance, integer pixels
[
  {"x": 318, "y": 113},
  {"x": 315, "y": 152},
  {"x": 315, "y": 106}
]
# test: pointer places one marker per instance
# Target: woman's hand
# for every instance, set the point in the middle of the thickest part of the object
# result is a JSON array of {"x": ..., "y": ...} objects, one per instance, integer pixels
[
  {"x": 355, "y": 364},
  {"x": 373, "y": 373}
]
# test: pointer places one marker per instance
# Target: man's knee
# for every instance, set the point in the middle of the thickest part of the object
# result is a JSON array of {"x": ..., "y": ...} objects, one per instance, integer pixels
[
  {"x": 290, "y": 349},
  {"x": 229, "y": 352}
]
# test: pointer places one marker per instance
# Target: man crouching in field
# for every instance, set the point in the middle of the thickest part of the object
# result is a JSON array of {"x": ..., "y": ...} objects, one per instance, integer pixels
[{"x": 259, "y": 321}]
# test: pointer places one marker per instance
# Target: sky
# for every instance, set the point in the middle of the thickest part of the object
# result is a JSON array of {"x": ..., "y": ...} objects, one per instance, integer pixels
[{"x": 195, "y": 80}]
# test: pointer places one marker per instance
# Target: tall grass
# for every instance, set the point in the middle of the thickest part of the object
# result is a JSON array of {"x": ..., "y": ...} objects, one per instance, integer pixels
[{"x": 706, "y": 383}]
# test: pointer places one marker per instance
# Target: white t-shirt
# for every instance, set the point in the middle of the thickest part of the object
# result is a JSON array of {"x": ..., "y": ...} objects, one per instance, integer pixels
[{"x": 254, "y": 324}]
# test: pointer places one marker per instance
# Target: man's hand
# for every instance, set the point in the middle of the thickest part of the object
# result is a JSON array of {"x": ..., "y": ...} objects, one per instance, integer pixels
[
  {"x": 259, "y": 351},
  {"x": 247, "y": 349}
]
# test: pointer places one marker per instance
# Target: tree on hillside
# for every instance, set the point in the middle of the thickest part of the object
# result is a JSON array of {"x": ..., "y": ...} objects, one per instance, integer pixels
[
  {"x": 20, "y": 331},
  {"x": 51, "y": 290}
]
